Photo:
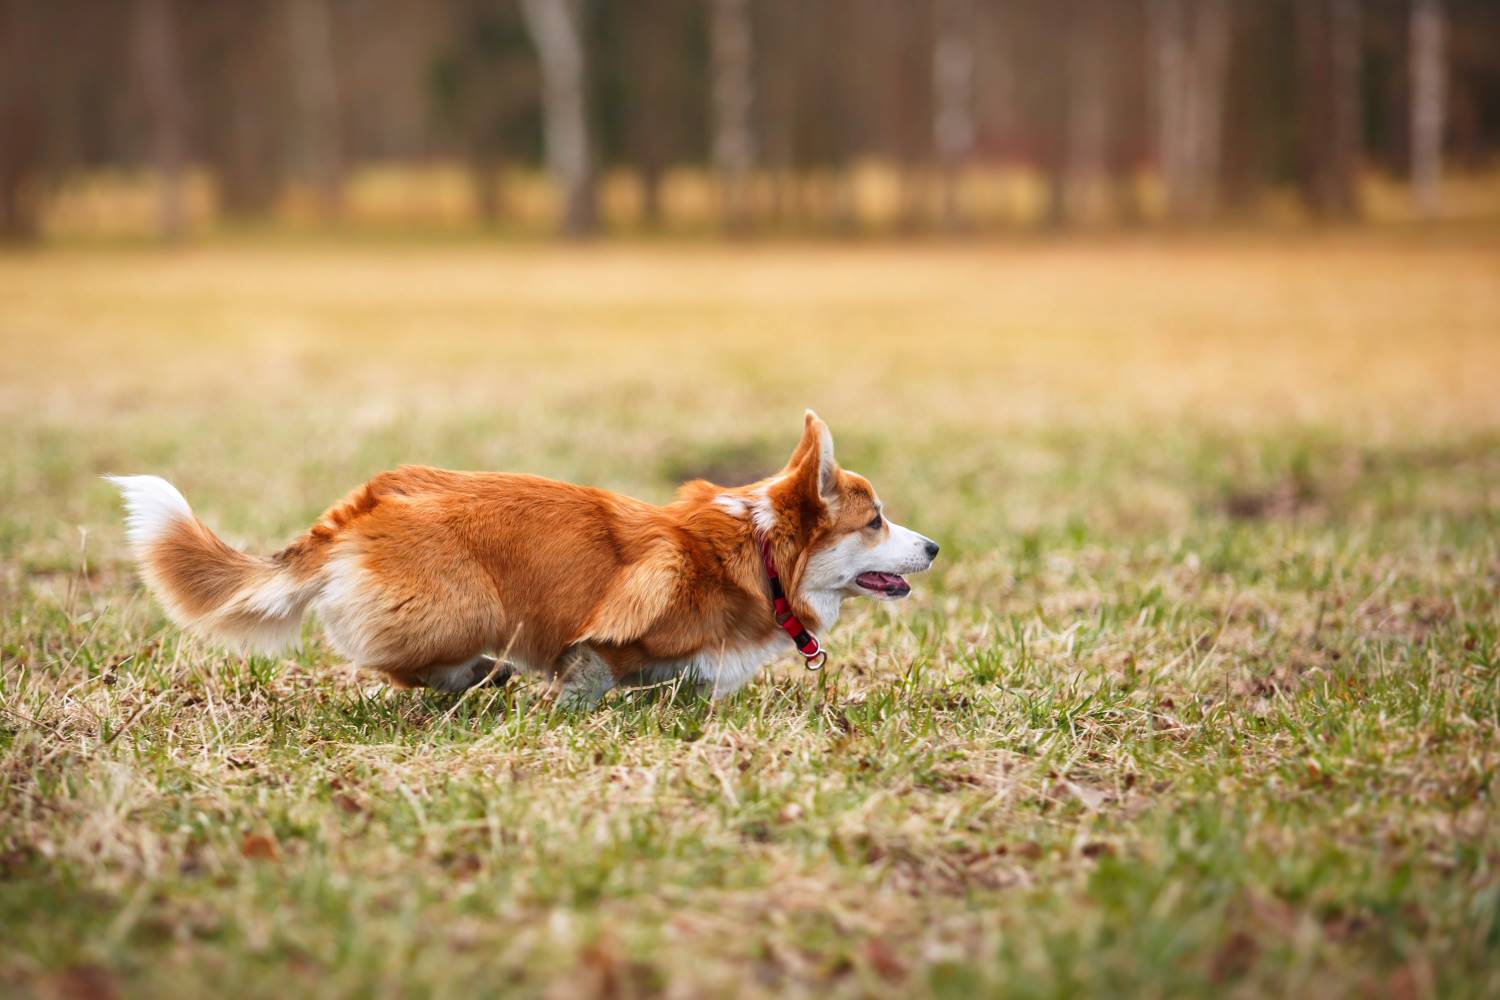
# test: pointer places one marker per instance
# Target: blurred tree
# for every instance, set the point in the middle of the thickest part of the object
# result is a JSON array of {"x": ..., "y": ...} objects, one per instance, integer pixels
[
  {"x": 953, "y": 126},
  {"x": 389, "y": 55},
  {"x": 1231, "y": 100},
  {"x": 316, "y": 88},
  {"x": 1472, "y": 108},
  {"x": 157, "y": 62},
  {"x": 241, "y": 69},
  {"x": 828, "y": 122},
  {"x": 733, "y": 103},
  {"x": 1087, "y": 111},
  {"x": 1260, "y": 141},
  {"x": 21, "y": 120},
  {"x": 484, "y": 87},
  {"x": 898, "y": 70},
  {"x": 1125, "y": 79},
  {"x": 1190, "y": 49},
  {"x": 1004, "y": 86},
  {"x": 806, "y": 109},
  {"x": 554, "y": 26},
  {"x": 1428, "y": 93},
  {"x": 1328, "y": 36},
  {"x": 773, "y": 24},
  {"x": 661, "y": 112},
  {"x": 1052, "y": 95}
]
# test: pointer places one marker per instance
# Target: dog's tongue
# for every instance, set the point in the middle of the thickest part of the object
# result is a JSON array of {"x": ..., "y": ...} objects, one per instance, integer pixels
[{"x": 885, "y": 582}]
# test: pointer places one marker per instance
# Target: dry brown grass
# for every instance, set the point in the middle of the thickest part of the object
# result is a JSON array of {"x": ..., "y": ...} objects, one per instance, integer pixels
[{"x": 1202, "y": 697}]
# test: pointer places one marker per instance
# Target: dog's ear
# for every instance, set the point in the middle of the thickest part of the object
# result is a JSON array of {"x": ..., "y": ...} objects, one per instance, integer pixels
[{"x": 813, "y": 463}]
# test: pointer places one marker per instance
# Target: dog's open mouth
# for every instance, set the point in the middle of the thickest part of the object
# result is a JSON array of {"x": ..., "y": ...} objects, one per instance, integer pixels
[{"x": 885, "y": 584}]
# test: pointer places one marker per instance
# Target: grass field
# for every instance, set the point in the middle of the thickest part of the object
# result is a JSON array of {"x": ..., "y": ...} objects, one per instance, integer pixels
[{"x": 1202, "y": 697}]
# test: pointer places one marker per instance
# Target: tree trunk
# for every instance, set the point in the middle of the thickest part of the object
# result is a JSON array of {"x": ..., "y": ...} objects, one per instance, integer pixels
[
  {"x": 953, "y": 127},
  {"x": 485, "y": 177},
  {"x": 1169, "y": 71},
  {"x": 1190, "y": 49},
  {"x": 733, "y": 103},
  {"x": 652, "y": 171},
  {"x": 157, "y": 62},
  {"x": 1087, "y": 114},
  {"x": 1346, "y": 105},
  {"x": 317, "y": 96},
  {"x": 1329, "y": 51},
  {"x": 1428, "y": 99},
  {"x": 656, "y": 84},
  {"x": 244, "y": 132},
  {"x": 554, "y": 26},
  {"x": 1210, "y": 70},
  {"x": 21, "y": 121}
]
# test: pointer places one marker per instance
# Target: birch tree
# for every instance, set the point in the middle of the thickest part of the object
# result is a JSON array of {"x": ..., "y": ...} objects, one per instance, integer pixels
[{"x": 555, "y": 29}]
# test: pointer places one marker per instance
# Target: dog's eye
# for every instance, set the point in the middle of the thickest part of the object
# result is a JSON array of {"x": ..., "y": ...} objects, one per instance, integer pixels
[{"x": 875, "y": 522}]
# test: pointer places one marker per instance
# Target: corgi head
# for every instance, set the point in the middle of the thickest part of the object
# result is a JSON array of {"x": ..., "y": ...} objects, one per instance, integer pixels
[{"x": 849, "y": 548}]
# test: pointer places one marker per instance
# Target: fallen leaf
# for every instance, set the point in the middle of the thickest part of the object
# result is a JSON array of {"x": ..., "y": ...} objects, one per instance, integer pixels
[
  {"x": 259, "y": 847},
  {"x": 883, "y": 960},
  {"x": 86, "y": 982},
  {"x": 1235, "y": 957}
]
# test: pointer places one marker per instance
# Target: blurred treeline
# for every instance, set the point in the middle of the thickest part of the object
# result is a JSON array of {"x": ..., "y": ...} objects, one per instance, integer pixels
[{"x": 750, "y": 114}]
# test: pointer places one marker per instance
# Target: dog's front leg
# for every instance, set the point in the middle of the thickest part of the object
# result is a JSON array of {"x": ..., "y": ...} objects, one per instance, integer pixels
[{"x": 585, "y": 679}]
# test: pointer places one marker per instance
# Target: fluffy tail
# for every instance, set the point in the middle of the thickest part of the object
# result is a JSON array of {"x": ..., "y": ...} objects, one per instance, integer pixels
[{"x": 206, "y": 586}]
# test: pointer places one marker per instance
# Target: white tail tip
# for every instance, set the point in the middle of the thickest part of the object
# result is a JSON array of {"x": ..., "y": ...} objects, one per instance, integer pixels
[{"x": 151, "y": 506}]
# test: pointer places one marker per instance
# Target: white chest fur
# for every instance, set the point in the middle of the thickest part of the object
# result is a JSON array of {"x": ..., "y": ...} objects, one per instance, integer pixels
[
  {"x": 826, "y": 604},
  {"x": 725, "y": 671}
]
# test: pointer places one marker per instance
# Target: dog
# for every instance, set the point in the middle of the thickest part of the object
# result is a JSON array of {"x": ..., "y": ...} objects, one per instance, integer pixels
[{"x": 446, "y": 580}]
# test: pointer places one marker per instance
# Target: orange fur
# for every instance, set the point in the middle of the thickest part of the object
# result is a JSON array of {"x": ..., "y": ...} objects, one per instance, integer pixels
[{"x": 422, "y": 569}]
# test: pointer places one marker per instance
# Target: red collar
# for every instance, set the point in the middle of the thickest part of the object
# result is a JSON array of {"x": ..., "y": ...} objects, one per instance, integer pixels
[{"x": 781, "y": 610}]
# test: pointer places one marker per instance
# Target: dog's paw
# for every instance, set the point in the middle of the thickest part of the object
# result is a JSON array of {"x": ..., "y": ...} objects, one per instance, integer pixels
[{"x": 490, "y": 672}]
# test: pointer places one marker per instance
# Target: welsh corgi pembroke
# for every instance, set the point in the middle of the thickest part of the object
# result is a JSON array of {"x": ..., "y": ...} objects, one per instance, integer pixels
[{"x": 451, "y": 579}]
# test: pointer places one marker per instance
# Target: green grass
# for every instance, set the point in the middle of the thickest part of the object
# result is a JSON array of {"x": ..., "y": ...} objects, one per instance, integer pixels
[{"x": 1203, "y": 695}]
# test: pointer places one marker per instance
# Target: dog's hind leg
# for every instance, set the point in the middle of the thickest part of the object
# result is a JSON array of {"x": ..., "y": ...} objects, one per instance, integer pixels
[
  {"x": 585, "y": 679},
  {"x": 462, "y": 676}
]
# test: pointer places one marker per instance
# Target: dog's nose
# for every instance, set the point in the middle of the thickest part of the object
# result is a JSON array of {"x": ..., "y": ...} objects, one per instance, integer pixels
[{"x": 932, "y": 549}]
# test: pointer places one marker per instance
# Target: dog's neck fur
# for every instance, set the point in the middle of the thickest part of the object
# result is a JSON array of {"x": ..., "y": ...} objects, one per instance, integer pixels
[{"x": 756, "y": 514}]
